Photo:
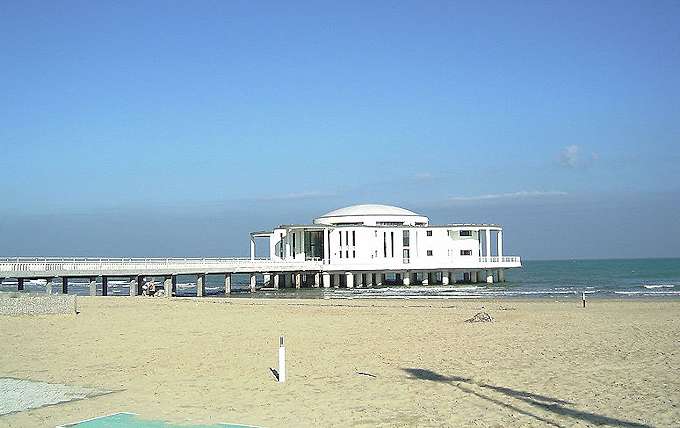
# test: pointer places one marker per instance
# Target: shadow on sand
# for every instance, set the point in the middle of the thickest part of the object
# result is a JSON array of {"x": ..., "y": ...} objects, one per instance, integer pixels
[{"x": 549, "y": 404}]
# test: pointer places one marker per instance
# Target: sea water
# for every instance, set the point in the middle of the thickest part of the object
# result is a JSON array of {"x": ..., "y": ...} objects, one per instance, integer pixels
[{"x": 624, "y": 278}]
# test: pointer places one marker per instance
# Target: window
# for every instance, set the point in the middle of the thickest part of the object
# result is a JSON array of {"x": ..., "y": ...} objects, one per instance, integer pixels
[
  {"x": 294, "y": 244},
  {"x": 347, "y": 237},
  {"x": 465, "y": 252},
  {"x": 407, "y": 255},
  {"x": 281, "y": 245},
  {"x": 340, "y": 235},
  {"x": 429, "y": 252},
  {"x": 390, "y": 223},
  {"x": 385, "y": 244},
  {"x": 392, "y": 243},
  {"x": 347, "y": 254},
  {"x": 354, "y": 237},
  {"x": 354, "y": 254},
  {"x": 429, "y": 233},
  {"x": 465, "y": 233},
  {"x": 406, "y": 238}
]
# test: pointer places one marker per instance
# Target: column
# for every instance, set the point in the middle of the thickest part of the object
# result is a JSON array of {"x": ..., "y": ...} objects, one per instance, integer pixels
[
  {"x": 64, "y": 285},
  {"x": 277, "y": 278},
  {"x": 317, "y": 280},
  {"x": 489, "y": 277},
  {"x": 133, "y": 286},
  {"x": 298, "y": 279},
  {"x": 406, "y": 278},
  {"x": 336, "y": 280},
  {"x": 488, "y": 242},
  {"x": 20, "y": 284},
  {"x": 167, "y": 285},
  {"x": 473, "y": 276},
  {"x": 326, "y": 248},
  {"x": 380, "y": 278},
  {"x": 452, "y": 277},
  {"x": 445, "y": 277},
  {"x": 200, "y": 285},
  {"x": 252, "y": 248},
  {"x": 501, "y": 275},
  {"x": 93, "y": 286},
  {"x": 349, "y": 278},
  {"x": 48, "y": 286},
  {"x": 140, "y": 283},
  {"x": 105, "y": 285},
  {"x": 326, "y": 280},
  {"x": 369, "y": 279},
  {"x": 253, "y": 282},
  {"x": 499, "y": 244},
  {"x": 267, "y": 279}
]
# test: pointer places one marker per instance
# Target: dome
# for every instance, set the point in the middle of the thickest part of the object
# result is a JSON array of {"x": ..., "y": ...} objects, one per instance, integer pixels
[
  {"x": 369, "y": 209},
  {"x": 371, "y": 215}
]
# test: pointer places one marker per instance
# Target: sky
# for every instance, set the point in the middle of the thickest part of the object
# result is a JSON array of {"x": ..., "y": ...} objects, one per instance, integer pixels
[{"x": 144, "y": 128}]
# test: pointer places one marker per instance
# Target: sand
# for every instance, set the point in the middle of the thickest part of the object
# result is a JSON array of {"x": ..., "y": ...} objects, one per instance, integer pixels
[{"x": 542, "y": 362}]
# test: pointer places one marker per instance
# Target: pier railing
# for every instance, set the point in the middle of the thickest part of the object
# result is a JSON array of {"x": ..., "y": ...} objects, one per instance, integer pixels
[{"x": 501, "y": 259}]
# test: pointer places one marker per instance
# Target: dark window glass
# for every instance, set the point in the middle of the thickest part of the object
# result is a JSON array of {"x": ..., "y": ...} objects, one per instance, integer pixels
[
  {"x": 429, "y": 252},
  {"x": 429, "y": 233}
]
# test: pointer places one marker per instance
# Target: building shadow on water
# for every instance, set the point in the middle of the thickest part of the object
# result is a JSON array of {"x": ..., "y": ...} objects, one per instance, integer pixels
[{"x": 544, "y": 402}]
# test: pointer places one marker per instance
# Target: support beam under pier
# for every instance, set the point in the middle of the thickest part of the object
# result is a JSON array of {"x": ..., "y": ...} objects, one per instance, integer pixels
[
  {"x": 227, "y": 284},
  {"x": 317, "y": 280},
  {"x": 277, "y": 278},
  {"x": 48, "y": 286},
  {"x": 20, "y": 284},
  {"x": 253, "y": 282},
  {"x": 406, "y": 278},
  {"x": 200, "y": 285},
  {"x": 445, "y": 277},
  {"x": 93, "y": 286},
  {"x": 64, "y": 285},
  {"x": 326, "y": 280},
  {"x": 349, "y": 277}
]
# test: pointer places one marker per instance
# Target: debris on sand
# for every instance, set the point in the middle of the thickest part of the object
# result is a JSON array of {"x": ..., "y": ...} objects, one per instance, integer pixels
[{"x": 481, "y": 317}]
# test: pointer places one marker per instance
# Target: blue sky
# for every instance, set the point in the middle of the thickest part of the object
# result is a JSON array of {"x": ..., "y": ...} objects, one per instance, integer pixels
[{"x": 175, "y": 128}]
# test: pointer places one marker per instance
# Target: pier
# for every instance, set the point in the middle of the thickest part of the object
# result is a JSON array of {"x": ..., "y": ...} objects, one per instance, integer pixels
[{"x": 275, "y": 273}]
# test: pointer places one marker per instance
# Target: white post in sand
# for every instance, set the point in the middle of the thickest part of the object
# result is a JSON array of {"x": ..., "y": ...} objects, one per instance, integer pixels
[
  {"x": 282, "y": 361},
  {"x": 584, "y": 299}
]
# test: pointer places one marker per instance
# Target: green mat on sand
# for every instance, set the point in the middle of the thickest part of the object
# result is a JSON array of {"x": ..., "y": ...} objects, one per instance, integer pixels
[{"x": 130, "y": 420}]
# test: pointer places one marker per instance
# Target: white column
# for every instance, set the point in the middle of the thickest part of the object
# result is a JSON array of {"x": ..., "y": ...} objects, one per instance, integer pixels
[
  {"x": 336, "y": 280},
  {"x": 499, "y": 243},
  {"x": 200, "y": 285},
  {"x": 93, "y": 286},
  {"x": 488, "y": 242},
  {"x": 406, "y": 278},
  {"x": 326, "y": 240},
  {"x": 298, "y": 280},
  {"x": 253, "y": 282},
  {"x": 473, "y": 276},
  {"x": 445, "y": 277},
  {"x": 349, "y": 276},
  {"x": 501, "y": 275},
  {"x": 267, "y": 279},
  {"x": 252, "y": 248},
  {"x": 326, "y": 280},
  {"x": 277, "y": 278},
  {"x": 317, "y": 280},
  {"x": 489, "y": 277},
  {"x": 227, "y": 283}
]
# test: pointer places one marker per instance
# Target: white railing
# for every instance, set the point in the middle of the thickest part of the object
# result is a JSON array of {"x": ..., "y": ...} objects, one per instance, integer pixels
[
  {"x": 501, "y": 259},
  {"x": 58, "y": 264}
]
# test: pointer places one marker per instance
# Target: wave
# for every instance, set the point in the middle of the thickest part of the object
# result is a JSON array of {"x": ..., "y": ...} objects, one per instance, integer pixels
[{"x": 655, "y": 286}]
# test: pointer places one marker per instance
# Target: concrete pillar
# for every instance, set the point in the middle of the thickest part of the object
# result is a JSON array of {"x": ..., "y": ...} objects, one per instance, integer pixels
[
  {"x": 200, "y": 285},
  {"x": 267, "y": 279},
  {"x": 93, "y": 286},
  {"x": 64, "y": 285},
  {"x": 488, "y": 242},
  {"x": 501, "y": 275},
  {"x": 474, "y": 276},
  {"x": 406, "y": 278},
  {"x": 252, "y": 248},
  {"x": 298, "y": 280},
  {"x": 326, "y": 280},
  {"x": 105, "y": 285},
  {"x": 277, "y": 278},
  {"x": 317, "y": 280},
  {"x": 452, "y": 277},
  {"x": 20, "y": 284},
  {"x": 167, "y": 285},
  {"x": 499, "y": 244},
  {"x": 445, "y": 277},
  {"x": 133, "y": 286},
  {"x": 349, "y": 276},
  {"x": 253, "y": 282},
  {"x": 369, "y": 279},
  {"x": 380, "y": 278},
  {"x": 336, "y": 280},
  {"x": 489, "y": 277},
  {"x": 140, "y": 284},
  {"x": 48, "y": 286}
]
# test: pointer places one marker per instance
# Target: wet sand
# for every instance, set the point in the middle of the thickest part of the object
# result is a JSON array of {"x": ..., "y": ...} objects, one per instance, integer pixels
[{"x": 542, "y": 362}]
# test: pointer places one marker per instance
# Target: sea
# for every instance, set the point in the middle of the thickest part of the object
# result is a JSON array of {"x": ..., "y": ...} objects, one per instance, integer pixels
[{"x": 614, "y": 278}]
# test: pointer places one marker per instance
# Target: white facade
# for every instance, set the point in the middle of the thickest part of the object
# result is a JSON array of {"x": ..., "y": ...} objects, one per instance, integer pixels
[{"x": 381, "y": 238}]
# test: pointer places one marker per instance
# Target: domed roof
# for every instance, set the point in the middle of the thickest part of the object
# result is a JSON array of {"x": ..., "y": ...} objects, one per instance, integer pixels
[{"x": 369, "y": 209}]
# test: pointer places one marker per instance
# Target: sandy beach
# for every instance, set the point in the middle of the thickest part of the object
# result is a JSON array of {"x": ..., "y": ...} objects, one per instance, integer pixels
[{"x": 542, "y": 362}]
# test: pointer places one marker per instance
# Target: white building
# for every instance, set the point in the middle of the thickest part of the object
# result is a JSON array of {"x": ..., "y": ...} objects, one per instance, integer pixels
[{"x": 364, "y": 245}]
